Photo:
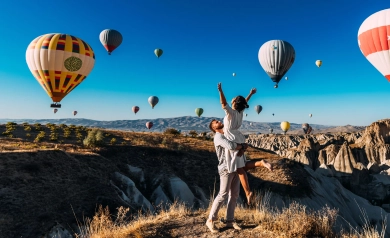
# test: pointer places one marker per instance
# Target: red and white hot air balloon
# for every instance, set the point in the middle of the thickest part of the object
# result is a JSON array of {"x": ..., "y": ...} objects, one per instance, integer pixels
[
  {"x": 149, "y": 124},
  {"x": 135, "y": 109},
  {"x": 374, "y": 41}
]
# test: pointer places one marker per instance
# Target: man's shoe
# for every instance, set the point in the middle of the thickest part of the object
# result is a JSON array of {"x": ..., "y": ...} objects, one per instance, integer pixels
[
  {"x": 211, "y": 226},
  {"x": 233, "y": 225}
]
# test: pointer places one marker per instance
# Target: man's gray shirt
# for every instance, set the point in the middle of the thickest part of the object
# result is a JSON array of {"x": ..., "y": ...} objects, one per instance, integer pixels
[{"x": 220, "y": 143}]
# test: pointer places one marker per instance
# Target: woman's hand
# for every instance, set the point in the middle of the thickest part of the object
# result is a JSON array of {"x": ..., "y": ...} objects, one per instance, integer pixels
[
  {"x": 220, "y": 87},
  {"x": 253, "y": 91}
]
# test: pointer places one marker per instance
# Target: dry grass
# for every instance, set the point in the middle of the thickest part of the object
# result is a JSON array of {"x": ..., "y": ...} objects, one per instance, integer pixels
[
  {"x": 103, "y": 226},
  {"x": 292, "y": 221}
]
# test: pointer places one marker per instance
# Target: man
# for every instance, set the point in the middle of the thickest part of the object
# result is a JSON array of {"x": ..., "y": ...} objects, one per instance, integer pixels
[{"x": 229, "y": 182}]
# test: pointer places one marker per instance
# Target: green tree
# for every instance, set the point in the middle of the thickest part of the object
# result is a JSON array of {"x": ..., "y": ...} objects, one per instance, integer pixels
[{"x": 95, "y": 138}]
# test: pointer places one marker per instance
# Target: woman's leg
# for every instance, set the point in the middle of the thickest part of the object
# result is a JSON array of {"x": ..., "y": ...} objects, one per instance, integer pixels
[
  {"x": 245, "y": 184},
  {"x": 261, "y": 163}
]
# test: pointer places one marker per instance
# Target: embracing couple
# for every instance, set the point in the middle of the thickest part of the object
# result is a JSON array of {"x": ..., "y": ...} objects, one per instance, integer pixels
[{"x": 230, "y": 146}]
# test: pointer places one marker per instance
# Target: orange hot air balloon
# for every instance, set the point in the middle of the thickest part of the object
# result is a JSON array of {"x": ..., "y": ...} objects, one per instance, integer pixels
[
  {"x": 374, "y": 41},
  {"x": 135, "y": 109},
  {"x": 149, "y": 124},
  {"x": 59, "y": 62}
]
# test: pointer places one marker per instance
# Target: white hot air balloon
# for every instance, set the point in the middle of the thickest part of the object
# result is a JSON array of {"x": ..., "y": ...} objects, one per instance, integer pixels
[
  {"x": 234, "y": 74},
  {"x": 374, "y": 41},
  {"x": 276, "y": 57}
]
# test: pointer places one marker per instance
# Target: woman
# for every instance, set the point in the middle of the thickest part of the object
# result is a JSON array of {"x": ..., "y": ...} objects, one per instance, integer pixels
[{"x": 232, "y": 122}]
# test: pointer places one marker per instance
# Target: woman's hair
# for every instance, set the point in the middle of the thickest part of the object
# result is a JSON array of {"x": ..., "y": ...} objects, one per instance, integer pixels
[{"x": 241, "y": 103}]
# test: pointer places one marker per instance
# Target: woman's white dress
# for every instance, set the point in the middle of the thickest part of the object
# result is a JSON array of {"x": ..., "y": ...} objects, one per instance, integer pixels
[{"x": 232, "y": 122}]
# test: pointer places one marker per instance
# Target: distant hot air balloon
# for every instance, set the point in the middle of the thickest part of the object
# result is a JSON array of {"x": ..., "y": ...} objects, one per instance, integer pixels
[
  {"x": 74, "y": 113},
  {"x": 285, "y": 125},
  {"x": 158, "y": 52},
  {"x": 276, "y": 57},
  {"x": 271, "y": 130},
  {"x": 135, "y": 109},
  {"x": 234, "y": 74},
  {"x": 149, "y": 124},
  {"x": 286, "y": 78},
  {"x": 273, "y": 114},
  {"x": 374, "y": 41},
  {"x": 199, "y": 111},
  {"x": 110, "y": 39},
  {"x": 59, "y": 62},
  {"x": 310, "y": 115},
  {"x": 251, "y": 123},
  {"x": 55, "y": 110},
  {"x": 246, "y": 114},
  {"x": 318, "y": 63},
  {"x": 258, "y": 108},
  {"x": 305, "y": 127},
  {"x": 153, "y": 100}
]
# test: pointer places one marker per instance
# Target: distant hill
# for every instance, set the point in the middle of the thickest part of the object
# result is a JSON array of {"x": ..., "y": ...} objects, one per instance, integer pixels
[{"x": 186, "y": 123}]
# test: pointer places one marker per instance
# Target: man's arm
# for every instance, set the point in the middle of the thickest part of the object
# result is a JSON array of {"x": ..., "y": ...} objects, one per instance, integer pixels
[
  {"x": 253, "y": 91},
  {"x": 225, "y": 143}
]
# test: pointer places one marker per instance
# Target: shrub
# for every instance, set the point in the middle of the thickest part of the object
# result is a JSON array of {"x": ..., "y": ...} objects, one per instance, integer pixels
[
  {"x": 193, "y": 133},
  {"x": 171, "y": 131},
  {"x": 113, "y": 141},
  {"x": 27, "y": 128},
  {"x": 95, "y": 138},
  {"x": 41, "y": 135}
]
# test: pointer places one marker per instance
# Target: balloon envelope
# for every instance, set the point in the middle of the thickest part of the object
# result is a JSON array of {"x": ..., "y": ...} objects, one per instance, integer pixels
[
  {"x": 149, "y": 124},
  {"x": 234, "y": 74},
  {"x": 153, "y": 100},
  {"x": 74, "y": 113},
  {"x": 310, "y": 115},
  {"x": 135, "y": 109},
  {"x": 59, "y": 62},
  {"x": 55, "y": 110},
  {"x": 318, "y": 63},
  {"x": 258, "y": 108},
  {"x": 158, "y": 52},
  {"x": 276, "y": 57},
  {"x": 286, "y": 78},
  {"x": 374, "y": 41},
  {"x": 110, "y": 39},
  {"x": 285, "y": 125},
  {"x": 199, "y": 111}
]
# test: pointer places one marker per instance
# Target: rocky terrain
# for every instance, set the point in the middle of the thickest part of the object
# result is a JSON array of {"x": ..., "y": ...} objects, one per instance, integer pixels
[
  {"x": 186, "y": 123},
  {"x": 45, "y": 187}
]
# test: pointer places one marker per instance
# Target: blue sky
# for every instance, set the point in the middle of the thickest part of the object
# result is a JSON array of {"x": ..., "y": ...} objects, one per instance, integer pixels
[{"x": 204, "y": 42}]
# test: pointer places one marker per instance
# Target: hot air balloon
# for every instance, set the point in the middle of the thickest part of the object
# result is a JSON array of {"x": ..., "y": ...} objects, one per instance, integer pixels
[
  {"x": 59, "y": 62},
  {"x": 374, "y": 41},
  {"x": 286, "y": 78},
  {"x": 276, "y": 57},
  {"x": 285, "y": 125},
  {"x": 318, "y": 63},
  {"x": 273, "y": 114},
  {"x": 199, "y": 111},
  {"x": 158, "y": 52},
  {"x": 149, "y": 124},
  {"x": 258, "y": 108},
  {"x": 153, "y": 100},
  {"x": 110, "y": 39},
  {"x": 305, "y": 127},
  {"x": 251, "y": 123},
  {"x": 234, "y": 74},
  {"x": 271, "y": 130},
  {"x": 74, "y": 113},
  {"x": 246, "y": 114},
  {"x": 310, "y": 115},
  {"x": 135, "y": 109},
  {"x": 55, "y": 110}
]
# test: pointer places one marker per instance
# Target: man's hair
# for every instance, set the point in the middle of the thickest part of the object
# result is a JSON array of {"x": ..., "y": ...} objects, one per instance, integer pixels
[
  {"x": 241, "y": 103},
  {"x": 211, "y": 125}
]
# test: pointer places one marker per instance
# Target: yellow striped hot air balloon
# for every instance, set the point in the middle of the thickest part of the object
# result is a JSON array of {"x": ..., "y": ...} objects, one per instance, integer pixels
[
  {"x": 318, "y": 63},
  {"x": 59, "y": 62},
  {"x": 285, "y": 125}
]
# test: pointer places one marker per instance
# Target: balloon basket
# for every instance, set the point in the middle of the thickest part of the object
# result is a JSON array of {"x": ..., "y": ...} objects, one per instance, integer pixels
[{"x": 55, "y": 105}]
